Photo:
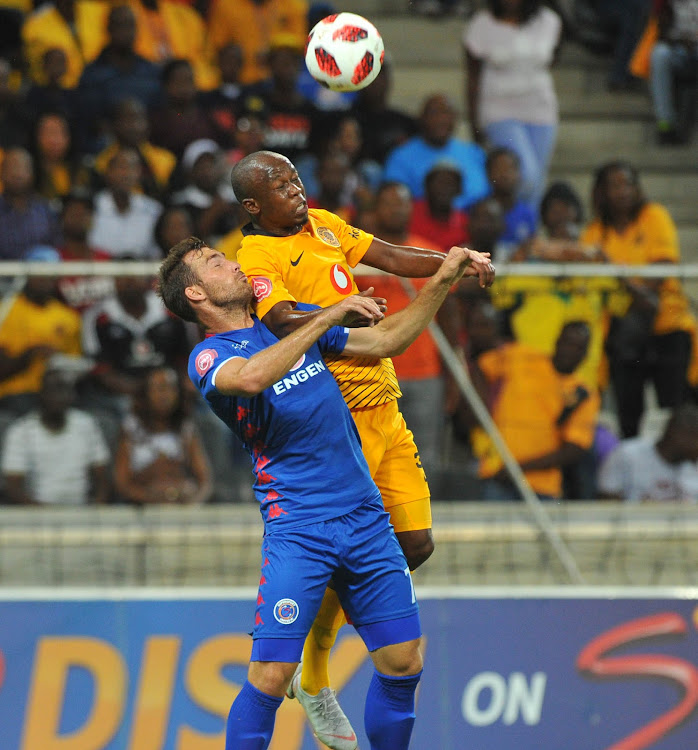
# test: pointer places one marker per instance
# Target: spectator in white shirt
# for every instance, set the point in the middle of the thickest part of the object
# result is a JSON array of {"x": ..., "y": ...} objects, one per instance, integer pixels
[
  {"x": 56, "y": 454},
  {"x": 640, "y": 469},
  {"x": 124, "y": 220}
]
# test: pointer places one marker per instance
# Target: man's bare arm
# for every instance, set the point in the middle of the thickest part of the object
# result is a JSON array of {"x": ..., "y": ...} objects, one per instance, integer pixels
[
  {"x": 248, "y": 377},
  {"x": 419, "y": 262},
  {"x": 397, "y": 332},
  {"x": 284, "y": 317}
]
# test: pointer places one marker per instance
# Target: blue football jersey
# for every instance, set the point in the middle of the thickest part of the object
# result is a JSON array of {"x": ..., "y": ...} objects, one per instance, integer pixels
[{"x": 305, "y": 447}]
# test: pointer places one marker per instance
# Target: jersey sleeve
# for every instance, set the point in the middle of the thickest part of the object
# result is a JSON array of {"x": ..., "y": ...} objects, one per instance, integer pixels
[
  {"x": 206, "y": 360},
  {"x": 265, "y": 273},
  {"x": 354, "y": 242},
  {"x": 334, "y": 340}
]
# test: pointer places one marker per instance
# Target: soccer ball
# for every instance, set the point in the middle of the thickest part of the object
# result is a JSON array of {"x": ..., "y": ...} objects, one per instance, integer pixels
[{"x": 344, "y": 52}]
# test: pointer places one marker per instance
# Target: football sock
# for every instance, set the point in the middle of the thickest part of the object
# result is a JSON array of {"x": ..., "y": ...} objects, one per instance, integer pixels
[
  {"x": 251, "y": 719},
  {"x": 389, "y": 715},
  {"x": 323, "y": 634}
]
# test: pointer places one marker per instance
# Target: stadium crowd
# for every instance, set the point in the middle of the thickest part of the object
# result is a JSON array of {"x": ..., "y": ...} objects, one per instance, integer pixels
[{"x": 119, "y": 125}]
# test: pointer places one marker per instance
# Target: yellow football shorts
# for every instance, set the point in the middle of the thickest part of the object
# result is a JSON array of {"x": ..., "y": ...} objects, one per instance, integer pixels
[{"x": 393, "y": 460}]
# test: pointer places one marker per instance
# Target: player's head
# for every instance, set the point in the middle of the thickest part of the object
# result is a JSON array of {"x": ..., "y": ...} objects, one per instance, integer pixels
[
  {"x": 196, "y": 281},
  {"x": 617, "y": 192},
  {"x": 571, "y": 346},
  {"x": 268, "y": 187}
]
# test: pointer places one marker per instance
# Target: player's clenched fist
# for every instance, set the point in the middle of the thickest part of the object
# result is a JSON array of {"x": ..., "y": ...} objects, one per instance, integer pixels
[
  {"x": 358, "y": 311},
  {"x": 461, "y": 261},
  {"x": 479, "y": 264}
]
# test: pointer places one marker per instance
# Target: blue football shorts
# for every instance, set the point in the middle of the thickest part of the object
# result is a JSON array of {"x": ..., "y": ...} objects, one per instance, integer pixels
[{"x": 360, "y": 554}]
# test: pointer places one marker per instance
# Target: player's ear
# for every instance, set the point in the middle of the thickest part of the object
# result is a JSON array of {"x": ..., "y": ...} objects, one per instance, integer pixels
[
  {"x": 194, "y": 293},
  {"x": 251, "y": 206}
]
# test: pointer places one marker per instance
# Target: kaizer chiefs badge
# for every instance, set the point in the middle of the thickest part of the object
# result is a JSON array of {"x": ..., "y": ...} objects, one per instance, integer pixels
[{"x": 327, "y": 236}]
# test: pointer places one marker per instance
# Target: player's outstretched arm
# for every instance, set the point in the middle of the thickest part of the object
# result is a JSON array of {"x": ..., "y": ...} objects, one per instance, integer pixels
[
  {"x": 418, "y": 262},
  {"x": 248, "y": 377},
  {"x": 398, "y": 331}
]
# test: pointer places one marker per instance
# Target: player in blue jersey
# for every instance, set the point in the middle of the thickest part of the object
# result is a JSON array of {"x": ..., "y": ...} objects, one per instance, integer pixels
[{"x": 323, "y": 516}]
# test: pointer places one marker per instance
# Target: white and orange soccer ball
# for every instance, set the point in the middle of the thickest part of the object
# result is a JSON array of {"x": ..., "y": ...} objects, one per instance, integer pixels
[{"x": 344, "y": 52}]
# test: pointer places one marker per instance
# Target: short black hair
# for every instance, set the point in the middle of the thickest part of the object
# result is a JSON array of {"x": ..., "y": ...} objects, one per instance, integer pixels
[
  {"x": 498, "y": 152},
  {"x": 562, "y": 191},
  {"x": 527, "y": 10},
  {"x": 174, "y": 276}
]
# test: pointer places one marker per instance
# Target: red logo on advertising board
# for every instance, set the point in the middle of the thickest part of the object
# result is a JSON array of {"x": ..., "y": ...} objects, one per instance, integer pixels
[{"x": 594, "y": 661}]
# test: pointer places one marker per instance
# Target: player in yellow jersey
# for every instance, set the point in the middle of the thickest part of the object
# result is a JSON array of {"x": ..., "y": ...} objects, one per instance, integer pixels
[{"x": 292, "y": 254}]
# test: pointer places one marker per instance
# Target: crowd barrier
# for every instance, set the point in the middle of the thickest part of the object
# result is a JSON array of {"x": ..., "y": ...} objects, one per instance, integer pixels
[{"x": 477, "y": 544}]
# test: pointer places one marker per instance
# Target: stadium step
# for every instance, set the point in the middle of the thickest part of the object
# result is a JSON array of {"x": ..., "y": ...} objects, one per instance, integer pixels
[
  {"x": 596, "y": 126},
  {"x": 580, "y": 92}
]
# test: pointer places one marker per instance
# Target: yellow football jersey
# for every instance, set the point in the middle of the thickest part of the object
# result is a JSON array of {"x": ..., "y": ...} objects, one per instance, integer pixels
[{"x": 314, "y": 266}]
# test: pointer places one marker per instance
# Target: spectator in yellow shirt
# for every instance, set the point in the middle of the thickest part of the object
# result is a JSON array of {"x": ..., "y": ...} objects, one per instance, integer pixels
[
  {"x": 36, "y": 327},
  {"x": 131, "y": 130},
  {"x": 545, "y": 414},
  {"x": 251, "y": 24},
  {"x": 169, "y": 29},
  {"x": 652, "y": 325},
  {"x": 75, "y": 26}
]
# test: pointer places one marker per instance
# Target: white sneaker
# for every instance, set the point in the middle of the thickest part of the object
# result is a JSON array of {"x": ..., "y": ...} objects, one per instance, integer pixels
[{"x": 329, "y": 723}]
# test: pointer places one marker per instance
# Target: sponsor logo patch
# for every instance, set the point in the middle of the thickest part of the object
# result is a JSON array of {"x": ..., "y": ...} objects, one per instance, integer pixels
[
  {"x": 261, "y": 286},
  {"x": 286, "y": 611},
  {"x": 299, "y": 363},
  {"x": 327, "y": 236},
  {"x": 340, "y": 279},
  {"x": 205, "y": 360}
]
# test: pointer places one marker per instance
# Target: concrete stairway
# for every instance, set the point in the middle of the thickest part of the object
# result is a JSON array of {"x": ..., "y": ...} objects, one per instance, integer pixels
[{"x": 596, "y": 126}]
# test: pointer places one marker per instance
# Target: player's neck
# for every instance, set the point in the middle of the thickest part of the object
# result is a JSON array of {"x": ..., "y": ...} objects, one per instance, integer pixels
[{"x": 231, "y": 319}]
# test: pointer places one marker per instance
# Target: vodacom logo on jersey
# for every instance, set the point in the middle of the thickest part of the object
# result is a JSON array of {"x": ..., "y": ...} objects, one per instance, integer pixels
[{"x": 340, "y": 279}]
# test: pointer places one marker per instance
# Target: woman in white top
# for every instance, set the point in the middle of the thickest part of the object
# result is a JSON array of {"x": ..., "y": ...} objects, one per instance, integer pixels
[
  {"x": 160, "y": 458},
  {"x": 509, "y": 48}
]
